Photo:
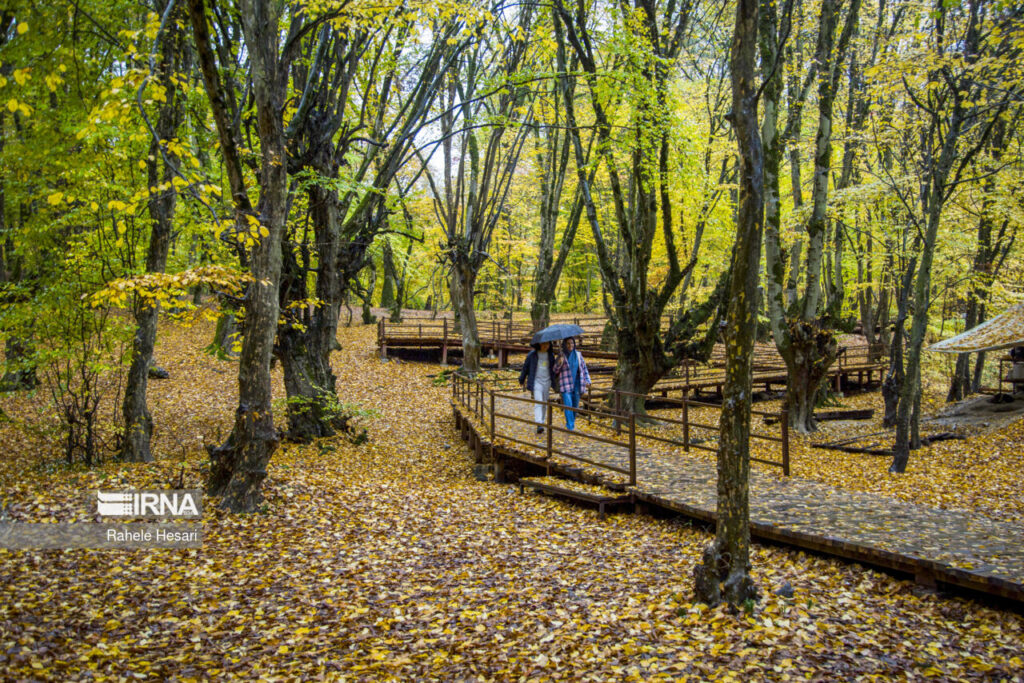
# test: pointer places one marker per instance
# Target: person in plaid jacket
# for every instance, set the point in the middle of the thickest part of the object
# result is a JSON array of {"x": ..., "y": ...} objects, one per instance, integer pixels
[{"x": 573, "y": 379}]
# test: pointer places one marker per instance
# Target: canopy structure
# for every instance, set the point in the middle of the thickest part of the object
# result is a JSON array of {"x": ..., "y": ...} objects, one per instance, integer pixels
[{"x": 1001, "y": 332}]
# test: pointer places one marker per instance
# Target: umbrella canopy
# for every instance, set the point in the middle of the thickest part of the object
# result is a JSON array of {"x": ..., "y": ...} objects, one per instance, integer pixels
[
  {"x": 555, "y": 332},
  {"x": 1001, "y": 332}
]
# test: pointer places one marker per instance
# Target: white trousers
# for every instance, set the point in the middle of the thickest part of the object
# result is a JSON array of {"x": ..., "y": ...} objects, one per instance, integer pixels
[{"x": 540, "y": 393}]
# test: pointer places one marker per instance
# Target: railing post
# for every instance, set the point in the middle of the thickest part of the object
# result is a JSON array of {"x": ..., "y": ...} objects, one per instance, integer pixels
[
  {"x": 444, "y": 342},
  {"x": 491, "y": 392},
  {"x": 784, "y": 421},
  {"x": 618, "y": 412},
  {"x": 686, "y": 425},
  {"x": 632, "y": 449},
  {"x": 548, "y": 420}
]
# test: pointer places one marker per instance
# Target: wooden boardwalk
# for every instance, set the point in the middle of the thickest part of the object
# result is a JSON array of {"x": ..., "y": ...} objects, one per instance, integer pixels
[{"x": 935, "y": 546}]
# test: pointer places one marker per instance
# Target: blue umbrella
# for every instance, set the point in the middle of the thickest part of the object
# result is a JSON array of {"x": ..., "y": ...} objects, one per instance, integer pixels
[{"x": 555, "y": 332}]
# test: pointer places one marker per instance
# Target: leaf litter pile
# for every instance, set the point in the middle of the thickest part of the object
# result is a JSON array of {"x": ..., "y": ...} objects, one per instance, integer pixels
[{"x": 388, "y": 560}]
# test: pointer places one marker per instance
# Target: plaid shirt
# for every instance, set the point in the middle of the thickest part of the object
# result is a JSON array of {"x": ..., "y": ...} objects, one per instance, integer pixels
[{"x": 565, "y": 380}]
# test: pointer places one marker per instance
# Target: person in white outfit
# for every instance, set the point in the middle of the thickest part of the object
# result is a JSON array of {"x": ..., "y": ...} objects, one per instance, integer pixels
[{"x": 536, "y": 378}]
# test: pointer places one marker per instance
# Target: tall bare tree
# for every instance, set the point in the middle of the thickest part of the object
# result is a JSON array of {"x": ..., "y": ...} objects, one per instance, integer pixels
[
  {"x": 639, "y": 187},
  {"x": 805, "y": 344},
  {"x": 173, "y": 58},
  {"x": 483, "y": 132}
]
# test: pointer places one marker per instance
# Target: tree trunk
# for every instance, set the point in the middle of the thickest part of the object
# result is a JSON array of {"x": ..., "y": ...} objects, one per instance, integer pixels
[
  {"x": 806, "y": 346},
  {"x": 307, "y": 335},
  {"x": 941, "y": 139},
  {"x": 986, "y": 267},
  {"x": 463, "y": 281},
  {"x": 19, "y": 363},
  {"x": 910, "y": 390},
  {"x": 18, "y": 353},
  {"x": 961, "y": 385},
  {"x": 388, "y": 291},
  {"x": 310, "y": 384},
  {"x": 808, "y": 357},
  {"x": 892, "y": 385},
  {"x": 137, "y": 419},
  {"x": 932, "y": 199},
  {"x": 554, "y": 151},
  {"x": 403, "y": 287},
  {"x": 641, "y": 360},
  {"x": 224, "y": 335},
  {"x": 724, "y": 573},
  {"x": 238, "y": 467},
  {"x": 367, "y": 295}
]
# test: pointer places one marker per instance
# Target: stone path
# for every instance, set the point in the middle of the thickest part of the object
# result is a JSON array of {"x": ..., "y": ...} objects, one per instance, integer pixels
[{"x": 953, "y": 546}]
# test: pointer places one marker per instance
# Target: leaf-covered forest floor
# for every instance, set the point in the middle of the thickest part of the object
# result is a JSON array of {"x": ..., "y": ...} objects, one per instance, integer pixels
[{"x": 390, "y": 561}]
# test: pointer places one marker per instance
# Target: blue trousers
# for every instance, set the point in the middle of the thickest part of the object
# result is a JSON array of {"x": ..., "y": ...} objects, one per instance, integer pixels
[{"x": 570, "y": 399}]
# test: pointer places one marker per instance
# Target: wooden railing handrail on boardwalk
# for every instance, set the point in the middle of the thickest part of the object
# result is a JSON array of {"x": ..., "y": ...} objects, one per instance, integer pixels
[
  {"x": 685, "y": 404},
  {"x": 471, "y": 394},
  {"x": 479, "y": 399}
]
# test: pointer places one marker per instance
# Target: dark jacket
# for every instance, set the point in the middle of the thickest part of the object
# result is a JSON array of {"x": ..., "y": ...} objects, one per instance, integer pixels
[{"x": 529, "y": 370}]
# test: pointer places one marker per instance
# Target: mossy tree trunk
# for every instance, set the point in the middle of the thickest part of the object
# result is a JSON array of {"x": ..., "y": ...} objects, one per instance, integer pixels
[{"x": 724, "y": 573}]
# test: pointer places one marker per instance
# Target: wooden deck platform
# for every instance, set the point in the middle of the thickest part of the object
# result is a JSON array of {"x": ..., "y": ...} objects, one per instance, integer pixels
[
  {"x": 855, "y": 363},
  {"x": 957, "y": 548}
]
